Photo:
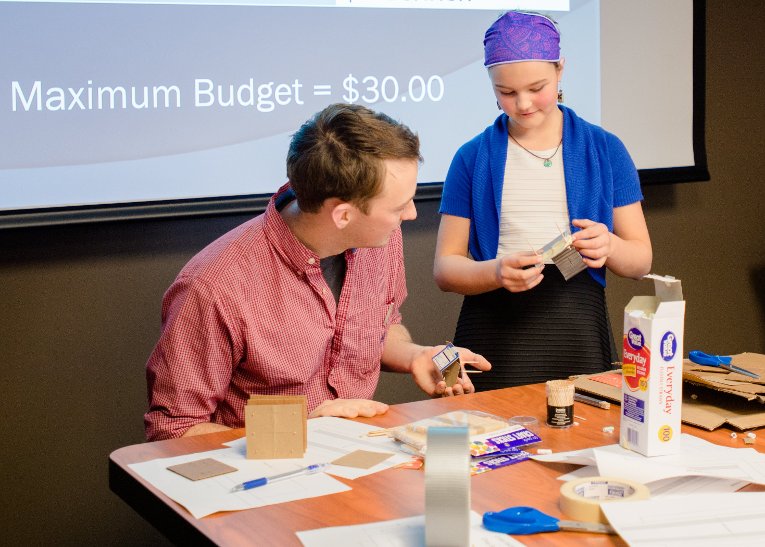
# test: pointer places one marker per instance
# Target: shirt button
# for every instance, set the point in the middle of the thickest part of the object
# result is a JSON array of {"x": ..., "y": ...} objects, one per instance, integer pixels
[{"x": 312, "y": 261}]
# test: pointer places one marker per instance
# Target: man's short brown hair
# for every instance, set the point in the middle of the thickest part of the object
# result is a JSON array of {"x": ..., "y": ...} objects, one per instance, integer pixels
[{"x": 340, "y": 153}]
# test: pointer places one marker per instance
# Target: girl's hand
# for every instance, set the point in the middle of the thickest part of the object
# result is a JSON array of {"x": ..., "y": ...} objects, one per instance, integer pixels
[
  {"x": 520, "y": 271},
  {"x": 593, "y": 242}
]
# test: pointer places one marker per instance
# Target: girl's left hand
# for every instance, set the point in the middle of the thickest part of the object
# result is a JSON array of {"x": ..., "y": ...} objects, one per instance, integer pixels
[{"x": 593, "y": 242}]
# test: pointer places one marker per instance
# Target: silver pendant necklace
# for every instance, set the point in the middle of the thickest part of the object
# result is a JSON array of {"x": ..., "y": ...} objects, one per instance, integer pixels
[{"x": 547, "y": 162}]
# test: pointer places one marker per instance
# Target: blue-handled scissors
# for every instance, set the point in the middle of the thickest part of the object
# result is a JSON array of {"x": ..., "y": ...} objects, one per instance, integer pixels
[
  {"x": 722, "y": 361},
  {"x": 521, "y": 521}
]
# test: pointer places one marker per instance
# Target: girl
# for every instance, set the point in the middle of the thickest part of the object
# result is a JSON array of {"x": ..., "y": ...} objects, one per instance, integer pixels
[{"x": 538, "y": 170}]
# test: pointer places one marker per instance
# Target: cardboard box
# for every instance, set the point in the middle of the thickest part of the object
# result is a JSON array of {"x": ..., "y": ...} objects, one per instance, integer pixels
[
  {"x": 652, "y": 370},
  {"x": 275, "y": 426},
  {"x": 714, "y": 397},
  {"x": 710, "y": 399}
]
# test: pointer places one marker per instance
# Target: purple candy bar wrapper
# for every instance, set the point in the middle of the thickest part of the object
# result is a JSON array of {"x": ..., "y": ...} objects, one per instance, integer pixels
[
  {"x": 494, "y": 461},
  {"x": 507, "y": 442}
]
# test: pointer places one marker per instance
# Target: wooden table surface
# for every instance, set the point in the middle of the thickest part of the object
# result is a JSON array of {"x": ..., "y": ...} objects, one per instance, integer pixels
[{"x": 394, "y": 493}]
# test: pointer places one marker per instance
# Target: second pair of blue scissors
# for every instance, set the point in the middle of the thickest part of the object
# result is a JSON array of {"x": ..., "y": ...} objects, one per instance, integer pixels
[
  {"x": 522, "y": 520},
  {"x": 722, "y": 361}
]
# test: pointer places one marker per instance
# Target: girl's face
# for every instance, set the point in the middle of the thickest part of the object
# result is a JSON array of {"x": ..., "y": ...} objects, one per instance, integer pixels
[{"x": 527, "y": 91}]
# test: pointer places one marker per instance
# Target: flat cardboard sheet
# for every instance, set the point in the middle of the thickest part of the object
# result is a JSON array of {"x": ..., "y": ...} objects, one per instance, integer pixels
[
  {"x": 604, "y": 385},
  {"x": 202, "y": 469},
  {"x": 363, "y": 459},
  {"x": 720, "y": 397}
]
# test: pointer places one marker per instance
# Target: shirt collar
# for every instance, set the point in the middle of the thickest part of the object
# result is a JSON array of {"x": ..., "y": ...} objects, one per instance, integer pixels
[{"x": 298, "y": 256}]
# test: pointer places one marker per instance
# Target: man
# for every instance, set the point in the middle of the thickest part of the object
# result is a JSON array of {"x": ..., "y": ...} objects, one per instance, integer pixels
[{"x": 305, "y": 298}]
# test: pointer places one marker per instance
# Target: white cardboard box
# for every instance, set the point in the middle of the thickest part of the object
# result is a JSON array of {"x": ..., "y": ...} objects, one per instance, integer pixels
[{"x": 652, "y": 369}]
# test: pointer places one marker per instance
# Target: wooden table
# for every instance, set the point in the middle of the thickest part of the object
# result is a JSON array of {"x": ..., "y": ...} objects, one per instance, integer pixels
[{"x": 394, "y": 493}]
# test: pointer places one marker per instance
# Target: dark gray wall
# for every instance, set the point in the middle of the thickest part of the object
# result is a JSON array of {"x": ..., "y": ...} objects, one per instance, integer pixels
[{"x": 80, "y": 307}]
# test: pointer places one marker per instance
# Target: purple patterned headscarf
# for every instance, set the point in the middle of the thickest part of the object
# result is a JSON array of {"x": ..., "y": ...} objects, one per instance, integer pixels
[{"x": 519, "y": 36}]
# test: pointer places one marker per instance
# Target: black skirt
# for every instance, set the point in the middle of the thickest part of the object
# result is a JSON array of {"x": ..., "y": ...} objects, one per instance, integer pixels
[{"x": 555, "y": 330}]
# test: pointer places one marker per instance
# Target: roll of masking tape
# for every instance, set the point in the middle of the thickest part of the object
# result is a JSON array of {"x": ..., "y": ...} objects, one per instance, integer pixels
[
  {"x": 580, "y": 499},
  {"x": 447, "y": 487}
]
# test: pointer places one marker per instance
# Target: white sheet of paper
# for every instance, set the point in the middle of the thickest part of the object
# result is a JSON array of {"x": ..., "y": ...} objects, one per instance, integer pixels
[
  {"x": 703, "y": 520},
  {"x": 204, "y": 497},
  {"x": 329, "y": 438},
  {"x": 406, "y": 532},
  {"x": 696, "y": 458},
  {"x": 676, "y": 486},
  {"x": 585, "y": 456}
]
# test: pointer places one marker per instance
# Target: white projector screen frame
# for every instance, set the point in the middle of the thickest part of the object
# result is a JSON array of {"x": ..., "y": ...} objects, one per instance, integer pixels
[{"x": 72, "y": 152}]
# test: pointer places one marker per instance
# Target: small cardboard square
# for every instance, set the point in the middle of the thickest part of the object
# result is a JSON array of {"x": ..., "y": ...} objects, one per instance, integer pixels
[
  {"x": 276, "y": 426},
  {"x": 362, "y": 459},
  {"x": 202, "y": 469}
]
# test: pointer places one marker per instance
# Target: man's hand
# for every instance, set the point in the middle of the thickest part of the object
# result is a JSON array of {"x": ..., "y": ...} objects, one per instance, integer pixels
[
  {"x": 204, "y": 428},
  {"x": 428, "y": 378},
  {"x": 349, "y": 408}
]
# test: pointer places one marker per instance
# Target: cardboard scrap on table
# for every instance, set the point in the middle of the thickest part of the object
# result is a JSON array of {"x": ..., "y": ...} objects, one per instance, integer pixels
[
  {"x": 606, "y": 385},
  {"x": 721, "y": 396},
  {"x": 202, "y": 469},
  {"x": 712, "y": 409},
  {"x": 725, "y": 397},
  {"x": 362, "y": 459},
  {"x": 720, "y": 379}
]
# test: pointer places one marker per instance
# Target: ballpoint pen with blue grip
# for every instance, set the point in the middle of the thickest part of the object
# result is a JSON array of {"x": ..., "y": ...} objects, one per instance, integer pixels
[
  {"x": 310, "y": 470},
  {"x": 722, "y": 361}
]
